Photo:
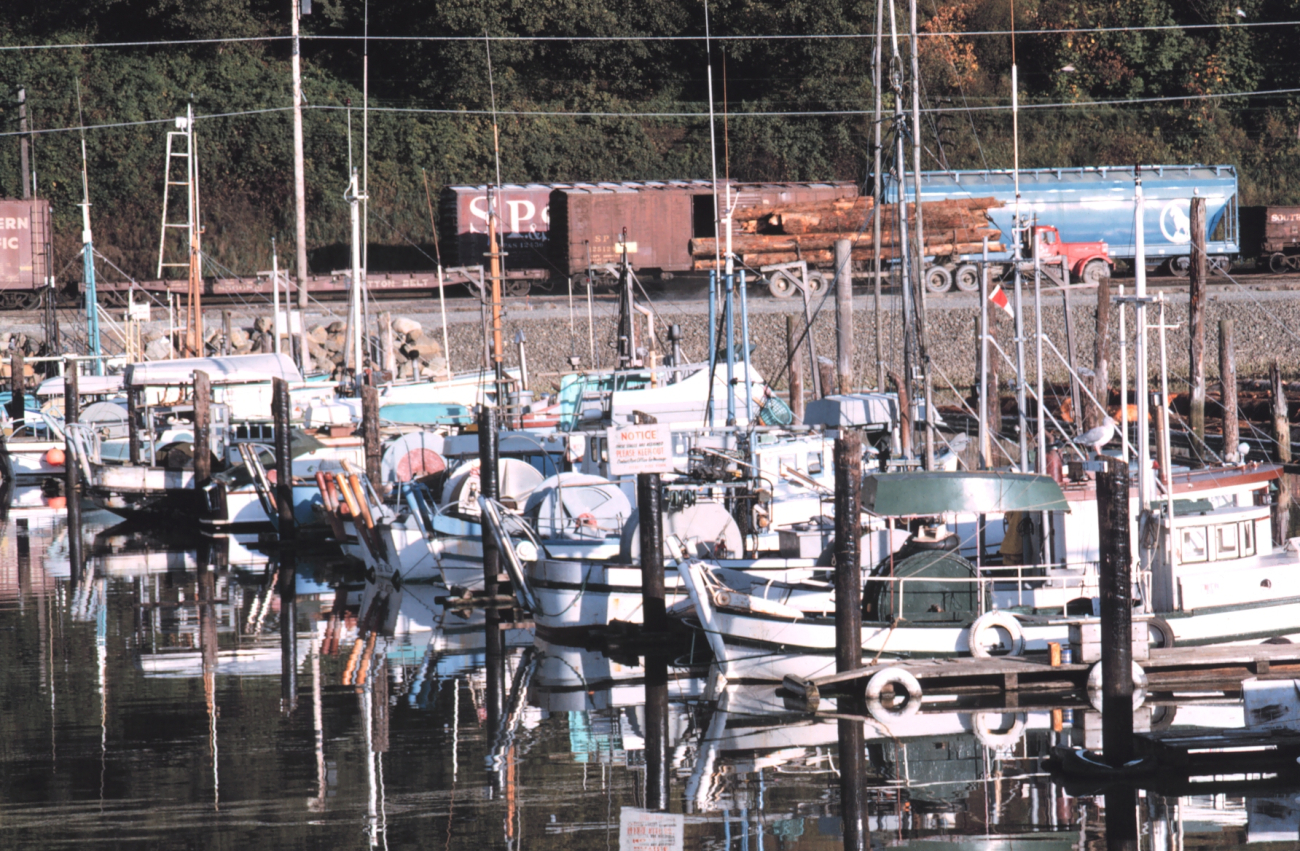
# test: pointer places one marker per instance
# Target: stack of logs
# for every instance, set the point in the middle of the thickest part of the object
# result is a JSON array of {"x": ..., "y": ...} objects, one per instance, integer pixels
[{"x": 769, "y": 235}]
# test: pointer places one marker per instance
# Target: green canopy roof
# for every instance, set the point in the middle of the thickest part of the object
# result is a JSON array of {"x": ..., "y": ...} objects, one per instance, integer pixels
[{"x": 925, "y": 494}]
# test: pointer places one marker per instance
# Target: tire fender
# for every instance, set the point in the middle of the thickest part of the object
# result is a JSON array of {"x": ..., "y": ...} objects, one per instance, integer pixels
[
  {"x": 993, "y": 620},
  {"x": 900, "y": 679},
  {"x": 1139, "y": 686},
  {"x": 982, "y": 725}
]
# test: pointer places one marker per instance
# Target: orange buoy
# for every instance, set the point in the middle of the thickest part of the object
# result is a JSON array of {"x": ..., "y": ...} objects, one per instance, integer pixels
[
  {"x": 55, "y": 457},
  {"x": 56, "y": 502}
]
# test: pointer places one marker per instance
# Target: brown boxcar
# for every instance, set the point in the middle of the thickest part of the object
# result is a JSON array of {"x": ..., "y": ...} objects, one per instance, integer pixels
[
  {"x": 589, "y": 219},
  {"x": 1272, "y": 236},
  {"x": 24, "y": 243}
]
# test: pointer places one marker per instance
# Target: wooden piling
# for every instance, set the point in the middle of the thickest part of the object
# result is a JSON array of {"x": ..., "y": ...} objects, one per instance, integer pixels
[
  {"x": 904, "y": 414},
  {"x": 1197, "y": 290},
  {"x": 489, "y": 453},
  {"x": 1094, "y": 415},
  {"x": 225, "y": 332},
  {"x": 826, "y": 371},
  {"x": 1158, "y": 405},
  {"x": 650, "y": 519},
  {"x": 1116, "y": 590},
  {"x": 17, "y": 385},
  {"x": 658, "y": 760},
  {"x": 848, "y": 551},
  {"x": 386, "y": 349},
  {"x": 202, "y": 430},
  {"x": 133, "y": 424},
  {"x": 370, "y": 434},
  {"x": 844, "y": 314},
  {"x": 1228, "y": 391},
  {"x": 71, "y": 468},
  {"x": 794, "y": 367},
  {"x": 281, "y": 413},
  {"x": 1282, "y": 437}
]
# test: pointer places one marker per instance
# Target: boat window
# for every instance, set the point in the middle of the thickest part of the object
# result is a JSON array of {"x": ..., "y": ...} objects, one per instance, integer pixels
[
  {"x": 1194, "y": 548},
  {"x": 814, "y": 462},
  {"x": 1248, "y": 538},
  {"x": 1226, "y": 546}
]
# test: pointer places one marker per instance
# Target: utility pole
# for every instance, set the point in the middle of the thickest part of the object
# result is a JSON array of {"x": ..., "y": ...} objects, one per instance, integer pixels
[
  {"x": 23, "y": 157},
  {"x": 300, "y": 187}
]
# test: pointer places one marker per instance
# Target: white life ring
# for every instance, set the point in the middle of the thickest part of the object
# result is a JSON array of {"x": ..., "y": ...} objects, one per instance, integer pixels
[
  {"x": 1139, "y": 686},
  {"x": 994, "y": 620},
  {"x": 982, "y": 724},
  {"x": 899, "y": 679}
]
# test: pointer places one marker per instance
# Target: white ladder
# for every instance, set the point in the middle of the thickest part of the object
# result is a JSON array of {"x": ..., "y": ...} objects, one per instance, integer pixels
[{"x": 180, "y": 147}]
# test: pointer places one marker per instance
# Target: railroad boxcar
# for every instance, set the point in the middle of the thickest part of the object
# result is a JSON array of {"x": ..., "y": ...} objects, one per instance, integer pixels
[
  {"x": 588, "y": 220},
  {"x": 525, "y": 239},
  {"x": 1272, "y": 236},
  {"x": 1096, "y": 205},
  {"x": 24, "y": 251}
]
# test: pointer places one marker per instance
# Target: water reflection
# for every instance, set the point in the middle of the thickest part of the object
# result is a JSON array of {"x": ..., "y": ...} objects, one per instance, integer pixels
[{"x": 200, "y": 692}]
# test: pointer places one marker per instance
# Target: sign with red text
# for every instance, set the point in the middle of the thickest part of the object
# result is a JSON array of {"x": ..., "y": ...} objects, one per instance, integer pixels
[
  {"x": 640, "y": 449},
  {"x": 643, "y": 830}
]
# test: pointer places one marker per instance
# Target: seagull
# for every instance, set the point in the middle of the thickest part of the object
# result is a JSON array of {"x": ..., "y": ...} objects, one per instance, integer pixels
[
  {"x": 1240, "y": 14},
  {"x": 948, "y": 460},
  {"x": 1099, "y": 436},
  {"x": 1243, "y": 449},
  {"x": 1069, "y": 69}
]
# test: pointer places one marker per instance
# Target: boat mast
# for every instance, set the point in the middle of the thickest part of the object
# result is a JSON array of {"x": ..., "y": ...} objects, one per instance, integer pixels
[
  {"x": 299, "y": 188},
  {"x": 1146, "y": 479},
  {"x": 900, "y": 163},
  {"x": 1016, "y": 234},
  {"x": 927, "y": 385},
  {"x": 494, "y": 253},
  {"x": 876, "y": 189},
  {"x": 88, "y": 253}
]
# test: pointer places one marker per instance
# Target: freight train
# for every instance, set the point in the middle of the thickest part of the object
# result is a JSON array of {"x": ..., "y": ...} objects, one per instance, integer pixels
[{"x": 558, "y": 231}]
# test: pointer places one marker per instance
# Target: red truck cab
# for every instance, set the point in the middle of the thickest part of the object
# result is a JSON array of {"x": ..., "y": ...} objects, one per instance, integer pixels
[{"x": 1088, "y": 261}]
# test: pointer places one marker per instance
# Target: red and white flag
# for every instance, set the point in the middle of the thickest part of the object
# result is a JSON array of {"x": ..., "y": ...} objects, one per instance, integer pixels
[{"x": 999, "y": 298}]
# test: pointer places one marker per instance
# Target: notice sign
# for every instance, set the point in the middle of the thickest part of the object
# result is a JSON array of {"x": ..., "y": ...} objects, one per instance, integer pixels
[
  {"x": 642, "y": 830},
  {"x": 640, "y": 449}
]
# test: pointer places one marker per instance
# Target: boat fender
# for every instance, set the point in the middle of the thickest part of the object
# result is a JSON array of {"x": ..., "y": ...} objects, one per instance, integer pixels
[
  {"x": 1166, "y": 631},
  {"x": 1139, "y": 686},
  {"x": 994, "y": 620},
  {"x": 982, "y": 723},
  {"x": 900, "y": 680}
]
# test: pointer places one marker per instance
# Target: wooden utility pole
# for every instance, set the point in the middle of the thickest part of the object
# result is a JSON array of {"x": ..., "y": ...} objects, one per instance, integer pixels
[
  {"x": 299, "y": 193},
  {"x": 844, "y": 314},
  {"x": 202, "y": 430},
  {"x": 1281, "y": 419},
  {"x": 1196, "y": 318},
  {"x": 24, "y": 164},
  {"x": 1228, "y": 392}
]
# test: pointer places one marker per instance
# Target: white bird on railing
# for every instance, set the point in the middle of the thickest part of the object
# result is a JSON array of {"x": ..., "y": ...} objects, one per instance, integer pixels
[
  {"x": 948, "y": 460},
  {"x": 1099, "y": 436},
  {"x": 1243, "y": 449}
]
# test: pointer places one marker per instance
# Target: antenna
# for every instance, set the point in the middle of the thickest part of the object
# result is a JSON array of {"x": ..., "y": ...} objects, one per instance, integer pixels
[{"x": 713, "y": 144}]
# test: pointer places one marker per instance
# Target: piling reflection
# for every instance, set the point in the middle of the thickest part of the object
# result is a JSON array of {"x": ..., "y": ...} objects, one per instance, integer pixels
[{"x": 178, "y": 672}]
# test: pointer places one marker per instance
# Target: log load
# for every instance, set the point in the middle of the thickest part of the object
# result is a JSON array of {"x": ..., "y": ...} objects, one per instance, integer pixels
[{"x": 768, "y": 234}]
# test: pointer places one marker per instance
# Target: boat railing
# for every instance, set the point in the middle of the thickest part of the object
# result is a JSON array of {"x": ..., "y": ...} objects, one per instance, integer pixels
[{"x": 1024, "y": 577}]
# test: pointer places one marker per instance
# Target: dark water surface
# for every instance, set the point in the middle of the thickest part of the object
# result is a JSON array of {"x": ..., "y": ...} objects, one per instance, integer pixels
[{"x": 156, "y": 696}]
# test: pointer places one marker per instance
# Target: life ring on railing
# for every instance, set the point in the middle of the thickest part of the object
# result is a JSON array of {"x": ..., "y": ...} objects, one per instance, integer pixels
[
  {"x": 994, "y": 620},
  {"x": 899, "y": 679},
  {"x": 983, "y": 729},
  {"x": 1139, "y": 686}
]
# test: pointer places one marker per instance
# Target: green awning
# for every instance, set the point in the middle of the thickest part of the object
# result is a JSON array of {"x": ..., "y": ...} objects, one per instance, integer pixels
[{"x": 927, "y": 494}]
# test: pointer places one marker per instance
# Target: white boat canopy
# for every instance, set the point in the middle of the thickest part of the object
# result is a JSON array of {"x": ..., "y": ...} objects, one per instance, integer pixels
[
  {"x": 234, "y": 369},
  {"x": 87, "y": 385}
]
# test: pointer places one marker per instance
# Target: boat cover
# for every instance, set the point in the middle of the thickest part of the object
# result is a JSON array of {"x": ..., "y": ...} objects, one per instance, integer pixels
[{"x": 933, "y": 493}]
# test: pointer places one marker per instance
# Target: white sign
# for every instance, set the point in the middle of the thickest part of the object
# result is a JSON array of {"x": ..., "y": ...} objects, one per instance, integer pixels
[
  {"x": 640, "y": 449},
  {"x": 138, "y": 311},
  {"x": 642, "y": 830}
]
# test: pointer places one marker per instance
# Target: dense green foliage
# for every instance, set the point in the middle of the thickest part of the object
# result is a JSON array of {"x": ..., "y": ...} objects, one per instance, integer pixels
[{"x": 430, "y": 101}]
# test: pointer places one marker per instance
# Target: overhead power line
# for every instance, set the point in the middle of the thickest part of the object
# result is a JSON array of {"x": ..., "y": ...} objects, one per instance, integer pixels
[{"x": 639, "y": 38}]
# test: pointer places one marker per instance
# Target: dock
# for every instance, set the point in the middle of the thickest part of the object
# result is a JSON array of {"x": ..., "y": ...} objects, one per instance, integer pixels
[{"x": 1167, "y": 670}]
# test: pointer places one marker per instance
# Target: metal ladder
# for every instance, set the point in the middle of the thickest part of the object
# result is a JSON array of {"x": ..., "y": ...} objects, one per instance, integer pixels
[{"x": 180, "y": 146}]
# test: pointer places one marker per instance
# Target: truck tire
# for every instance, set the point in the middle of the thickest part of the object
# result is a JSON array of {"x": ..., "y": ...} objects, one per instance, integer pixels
[
  {"x": 780, "y": 286},
  {"x": 967, "y": 278},
  {"x": 1095, "y": 270},
  {"x": 1179, "y": 267},
  {"x": 816, "y": 282},
  {"x": 938, "y": 279}
]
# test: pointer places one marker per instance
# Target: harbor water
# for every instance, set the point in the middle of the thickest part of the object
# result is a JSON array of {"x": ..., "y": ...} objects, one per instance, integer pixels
[{"x": 186, "y": 692}]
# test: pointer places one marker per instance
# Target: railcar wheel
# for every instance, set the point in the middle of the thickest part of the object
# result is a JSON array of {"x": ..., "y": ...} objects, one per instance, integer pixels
[
  {"x": 780, "y": 286},
  {"x": 517, "y": 288},
  {"x": 1220, "y": 265},
  {"x": 1277, "y": 262},
  {"x": 816, "y": 282},
  {"x": 1179, "y": 267},
  {"x": 967, "y": 278}
]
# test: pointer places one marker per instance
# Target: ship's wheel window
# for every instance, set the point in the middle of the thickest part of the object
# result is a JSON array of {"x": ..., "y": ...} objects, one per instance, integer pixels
[
  {"x": 1194, "y": 545},
  {"x": 1248, "y": 538}
]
